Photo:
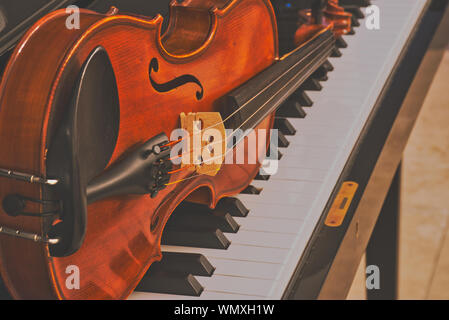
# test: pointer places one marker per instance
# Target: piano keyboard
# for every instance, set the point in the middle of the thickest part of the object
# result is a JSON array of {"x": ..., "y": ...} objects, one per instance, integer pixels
[{"x": 264, "y": 252}]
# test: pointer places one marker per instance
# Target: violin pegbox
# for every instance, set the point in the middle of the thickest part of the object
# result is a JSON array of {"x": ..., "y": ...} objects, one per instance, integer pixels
[{"x": 205, "y": 145}]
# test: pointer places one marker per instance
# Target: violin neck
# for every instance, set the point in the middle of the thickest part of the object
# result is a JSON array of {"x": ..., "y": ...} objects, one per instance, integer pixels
[{"x": 245, "y": 107}]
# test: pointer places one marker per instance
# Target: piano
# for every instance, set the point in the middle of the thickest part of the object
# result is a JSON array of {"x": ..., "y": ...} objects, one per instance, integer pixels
[
  {"x": 282, "y": 248},
  {"x": 348, "y": 124}
]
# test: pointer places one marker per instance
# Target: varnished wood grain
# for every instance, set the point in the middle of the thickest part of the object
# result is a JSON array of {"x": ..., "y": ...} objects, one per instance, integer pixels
[
  {"x": 222, "y": 43},
  {"x": 334, "y": 18}
]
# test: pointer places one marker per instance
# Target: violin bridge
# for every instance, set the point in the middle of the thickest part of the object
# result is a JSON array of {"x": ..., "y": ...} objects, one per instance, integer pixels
[{"x": 206, "y": 144}]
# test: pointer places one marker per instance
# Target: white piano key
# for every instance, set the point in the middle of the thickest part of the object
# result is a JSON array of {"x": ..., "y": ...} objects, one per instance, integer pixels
[
  {"x": 304, "y": 187},
  {"x": 293, "y": 171},
  {"x": 315, "y": 140},
  {"x": 301, "y": 151},
  {"x": 324, "y": 121},
  {"x": 262, "y": 238},
  {"x": 269, "y": 209},
  {"x": 305, "y": 127},
  {"x": 140, "y": 295},
  {"x": 247, "y": 269},
  {"x": 345, "y": 98},
  {"x": 236, "y": 252},
  {"x": 281, "y": 200},
  {"x": 273, "y": 224},
  {"x": 212, "y": 295},
  {"x": 316, "y": 159},
  {"x": 343, "y": 113},
  {"x": 206, "y": 295},
  {"x": 236, "y": 285},
  {"x": 305, "y": 161}
]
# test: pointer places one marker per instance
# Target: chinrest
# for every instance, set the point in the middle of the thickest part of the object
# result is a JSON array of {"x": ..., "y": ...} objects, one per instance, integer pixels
[{"x": 83, "y": 146}]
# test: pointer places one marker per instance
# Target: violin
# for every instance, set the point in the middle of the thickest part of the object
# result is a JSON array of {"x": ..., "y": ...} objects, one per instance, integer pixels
[{"x": 88, "y": 175}]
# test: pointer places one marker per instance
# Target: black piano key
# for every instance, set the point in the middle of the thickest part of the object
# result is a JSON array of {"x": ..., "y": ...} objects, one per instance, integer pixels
[
  {"x": 355, "y": 22},
  {"x": 322, "y": 78},
  {"x": 320, "y": 74},
  {"x": 170, "y": 283},
  {"x": 328, "y": 66},
  {"x": 262, "y": 177},
  {"x": 199, "y": 217},
  {"x": 303, "y": 98},
  {"x": 355, "y": 3},
  {"x": 252, "y": 190},
  {"x": 355, "y": 11},
  {"x": 212, "y": 239},
  {"x": 270, "y": 156},
  {"x": 336, "y": 53},
  {"x": 283, "y": 125},
  {"x": 223, "y": 219},
  {"x": 184, "y": 263},
  {"x": 291, "y": 108},
  {"x": 226, "y": 223},
  {"x": 233, "y": 206},
  {"x": 340, "y": 42},
  {"x": 282, "y": 141},
  {"x": 312, "y": 85}
]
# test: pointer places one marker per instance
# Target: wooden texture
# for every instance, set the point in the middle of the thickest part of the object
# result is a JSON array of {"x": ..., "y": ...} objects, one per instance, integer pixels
[
  {"x": 334, "y": 18},
  {"x": 222, "y": 43},
  {"x": 340, "y": 19}
]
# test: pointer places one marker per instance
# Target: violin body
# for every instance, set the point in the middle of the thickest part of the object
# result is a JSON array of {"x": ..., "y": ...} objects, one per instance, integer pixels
[{"x": 221, "y": 44}]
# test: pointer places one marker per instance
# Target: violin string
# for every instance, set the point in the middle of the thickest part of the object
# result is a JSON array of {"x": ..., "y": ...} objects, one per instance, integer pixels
[
  {"x": 252, "y": 98},
  {"x": 246, "y": 120},
  {"x": 181, "y": 169},
  {"x": 200, "y": 174},
  {"x": 249, "y": 118},
  {"x": 191, "y": 177}
]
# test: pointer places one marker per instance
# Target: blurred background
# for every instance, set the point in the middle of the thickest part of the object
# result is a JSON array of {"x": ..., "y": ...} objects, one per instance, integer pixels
[{"x": 424, "y": 224}]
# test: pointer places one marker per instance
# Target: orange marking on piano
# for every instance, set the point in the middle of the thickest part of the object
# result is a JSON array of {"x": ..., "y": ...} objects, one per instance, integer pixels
[{"x": 341, "y": 204}]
